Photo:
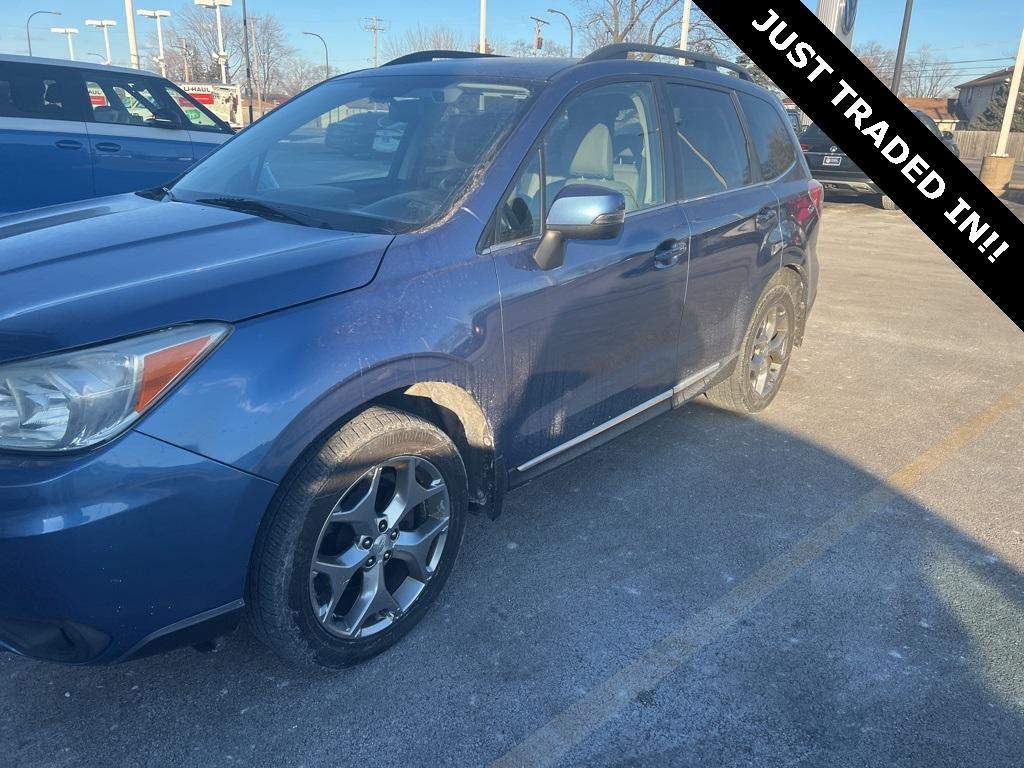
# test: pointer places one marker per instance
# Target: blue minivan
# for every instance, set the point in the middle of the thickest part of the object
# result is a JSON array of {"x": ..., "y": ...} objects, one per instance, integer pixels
[
  {"x": 275, "y": 389},
  {"x": 71, "y": 131}
]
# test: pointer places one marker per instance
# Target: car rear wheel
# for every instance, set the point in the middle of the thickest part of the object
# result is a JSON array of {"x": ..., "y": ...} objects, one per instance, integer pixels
[
  {"x": 767, "y": 347},
  {"x": 360, "y": 542}
]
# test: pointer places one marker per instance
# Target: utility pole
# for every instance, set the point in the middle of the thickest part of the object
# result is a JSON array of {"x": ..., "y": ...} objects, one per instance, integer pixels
[
  {"x": 684, "y": 27},
  {"x": 28, "y": 21},
  {"x": 248, "y": 59},
  {"x": 69, "y": 31},
  {"x": 183, "y": 44},
  {"x": 133, "y": 43},
  {"x": 222, "y": 56},
  {"x": 483, "y": 26},
  {"x": 901, "y": 53},
  {"x": 569, "y": 22},
  {"x": 538, "y": 41},
  {"x": 105, "y": 25},
  {"x": 375, "y": 26},
  {"x": 157, "y": 15}
]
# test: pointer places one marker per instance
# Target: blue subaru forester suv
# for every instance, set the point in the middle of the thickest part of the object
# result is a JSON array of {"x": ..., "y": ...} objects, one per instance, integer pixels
[{"x": 275, "y": 388}]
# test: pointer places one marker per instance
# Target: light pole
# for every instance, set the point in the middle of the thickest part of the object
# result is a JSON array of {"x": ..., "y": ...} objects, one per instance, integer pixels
[
  {"x": 28, "y": 33},
  {"x": 222, "y": 56},
  {"x": 567, "y": 21},
  {"x": 133, "y": 43},
  {"x": 69, "y": 31},
  {"x": 901, "y": 54},
  {"x": 183, "y": 44},
  {"x": 248, "y": 59},
  {"x": 159, "y": 36},
  {"x": 684, "y": 27},
  {"x": 483, "y": 26},
  {"x": 327, "y": 61},
  {"x": 103, "y": 24}
]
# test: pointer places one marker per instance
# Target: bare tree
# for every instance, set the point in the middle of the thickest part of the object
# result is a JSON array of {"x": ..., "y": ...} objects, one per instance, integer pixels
[
  {"x": 525, "y": 48},
  {"x": 651, "y": 22},
  {"x": 878, "y": 59},
  {"x": 436, "y": 38},
  {"x": 297, "y": 74},
  {"x": 927, "y": 76}
]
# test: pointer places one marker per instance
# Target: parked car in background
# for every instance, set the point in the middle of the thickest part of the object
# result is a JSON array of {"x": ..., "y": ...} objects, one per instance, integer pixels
[
  {"x": 72, "y": 130},
  {"x": 364, "y": 133},
  {"x": 276, "y": 388},
  {"x": 838, "y": 173}
]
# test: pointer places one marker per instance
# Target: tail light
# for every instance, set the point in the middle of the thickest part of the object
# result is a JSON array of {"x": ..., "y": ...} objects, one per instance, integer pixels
[
  {"x": 805, "y": 147},
  {"x": 817, "y": 193}
]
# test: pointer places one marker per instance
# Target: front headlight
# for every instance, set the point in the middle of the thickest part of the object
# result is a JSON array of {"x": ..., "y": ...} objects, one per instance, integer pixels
[{"x": 77, "y": 399}]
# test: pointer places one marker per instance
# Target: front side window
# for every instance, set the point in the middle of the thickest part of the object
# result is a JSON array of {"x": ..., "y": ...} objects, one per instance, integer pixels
[
  {"x": 50, "y": 93},
  {"x": 521, "y": 213},
  {"x": 608, "y": 136},
  {"x": 196, "y": 116},
  {"x": 368, "y": 154},
  {"x": 710, "y": 143},
  {"x": 770, "y": 135},
  {"x": 127, "y": 100}
]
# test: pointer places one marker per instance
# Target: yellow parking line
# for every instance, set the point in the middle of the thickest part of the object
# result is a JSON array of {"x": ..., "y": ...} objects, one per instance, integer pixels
[{"x": 552, "y": 741}]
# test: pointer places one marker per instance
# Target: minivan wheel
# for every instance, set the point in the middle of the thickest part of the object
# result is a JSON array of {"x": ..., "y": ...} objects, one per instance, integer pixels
[
  {"x": 360, "y": 541},
  {"x": 767, "y": 346}
]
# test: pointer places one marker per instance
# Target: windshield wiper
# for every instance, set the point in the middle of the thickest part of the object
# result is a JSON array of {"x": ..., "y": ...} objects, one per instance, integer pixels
[{"x": 256, "y": 208}]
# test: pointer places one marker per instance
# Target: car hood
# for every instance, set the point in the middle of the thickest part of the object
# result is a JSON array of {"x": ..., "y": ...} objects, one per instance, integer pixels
[{"x": 100, "y": 269}]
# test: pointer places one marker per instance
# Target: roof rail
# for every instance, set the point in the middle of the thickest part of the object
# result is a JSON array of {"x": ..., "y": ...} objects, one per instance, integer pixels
[
  {"x": 700, "y": 60},
  {"x": 420, "y": 56}
]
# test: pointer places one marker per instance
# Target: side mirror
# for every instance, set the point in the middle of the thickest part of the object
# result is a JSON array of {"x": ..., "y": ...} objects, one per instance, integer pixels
[{"x": 579, "y": 212}]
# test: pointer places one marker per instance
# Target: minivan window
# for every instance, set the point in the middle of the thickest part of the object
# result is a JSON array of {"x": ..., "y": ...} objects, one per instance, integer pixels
[
  {"x": 30, "y": 90},
  {"x": 393, "y": 173},
  {"x": 771, "y": 136},
  {"x": 608, "y": 136},
  {"x": 710, "y": 144},
  {"x": 128, "y": 100}
]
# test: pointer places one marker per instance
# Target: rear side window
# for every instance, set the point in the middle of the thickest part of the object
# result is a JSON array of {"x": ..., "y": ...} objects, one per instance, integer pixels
[
  {"x": 128, "y": 100},
  {"x": 49, "y": 93},
  {"x": 711, "y": 147},
  {"x": 771, "y": 137}
]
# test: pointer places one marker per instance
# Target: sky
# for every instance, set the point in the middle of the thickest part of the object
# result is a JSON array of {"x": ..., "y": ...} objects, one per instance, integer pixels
[{"x": 959, "y": 31}]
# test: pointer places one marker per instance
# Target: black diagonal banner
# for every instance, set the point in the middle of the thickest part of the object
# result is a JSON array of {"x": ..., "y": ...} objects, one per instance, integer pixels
[{"x": 862, "y": 116}]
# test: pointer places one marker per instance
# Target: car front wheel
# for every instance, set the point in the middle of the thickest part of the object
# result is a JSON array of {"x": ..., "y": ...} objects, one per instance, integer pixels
[{"x": 360, "y": 542}]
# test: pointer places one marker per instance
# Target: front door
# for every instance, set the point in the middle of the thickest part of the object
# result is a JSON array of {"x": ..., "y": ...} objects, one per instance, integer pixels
[
  {"x": 593, "y": 341},
  {"x": 137, "y": 138}
]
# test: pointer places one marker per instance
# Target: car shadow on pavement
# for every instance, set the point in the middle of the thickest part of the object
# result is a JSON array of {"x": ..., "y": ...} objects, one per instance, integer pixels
[{"x": 899, "y": 645}]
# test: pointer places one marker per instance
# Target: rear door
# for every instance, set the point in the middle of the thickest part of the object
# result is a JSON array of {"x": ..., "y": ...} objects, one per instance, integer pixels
[
  {"x": 136, "y": 138},
  {"x": 733, "y": 220},
  {"x": 44, "y": 147}
]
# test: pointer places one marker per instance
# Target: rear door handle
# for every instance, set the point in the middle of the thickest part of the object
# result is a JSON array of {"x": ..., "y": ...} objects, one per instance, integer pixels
[
  {"x": 670, "y": 252},
  {"x": 108, "y": 146},
  {"x": 69, "y": 144}
]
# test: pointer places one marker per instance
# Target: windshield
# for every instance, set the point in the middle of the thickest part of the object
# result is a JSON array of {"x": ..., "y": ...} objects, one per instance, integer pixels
[{"x": 364, "y": 154}]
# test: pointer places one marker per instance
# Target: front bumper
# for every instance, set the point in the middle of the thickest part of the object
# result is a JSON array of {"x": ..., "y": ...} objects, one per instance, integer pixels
[{"x": 133, "y": 541}]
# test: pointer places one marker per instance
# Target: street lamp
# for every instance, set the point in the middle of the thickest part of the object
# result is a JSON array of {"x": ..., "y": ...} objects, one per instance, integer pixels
[
  {"x": 69, "y": 31},
  {"x": 28, "y": 34},
  {"x": 159, "y": 36},
  {"x": 567, "y": 21},
  {"x": 103, "y": 24},
  {"x": 901, "y": 53},
  {"x": 222, "y": 56},
  {"x": 327, "y": 61}
]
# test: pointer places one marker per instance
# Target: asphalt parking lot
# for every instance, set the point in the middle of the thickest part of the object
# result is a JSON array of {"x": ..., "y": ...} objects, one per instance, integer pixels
[{"x": 839, "y": 581}]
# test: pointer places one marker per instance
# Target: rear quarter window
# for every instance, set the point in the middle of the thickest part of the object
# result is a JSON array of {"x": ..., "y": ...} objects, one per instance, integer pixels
[
  {"x": 771, "y": 136},
  {"x": 40, "y": 92}
]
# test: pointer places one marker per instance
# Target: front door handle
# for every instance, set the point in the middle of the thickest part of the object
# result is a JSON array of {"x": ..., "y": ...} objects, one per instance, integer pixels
[
  {"x": 670, "y": 252},
  {"x": 69, "y": 144},
  {"x": 108, "y": 146}
]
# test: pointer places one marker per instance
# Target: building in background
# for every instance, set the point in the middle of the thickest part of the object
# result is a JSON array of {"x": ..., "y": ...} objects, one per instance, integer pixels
[
  {"x": 945, "y": 112},
  {"x": 976, "y": 95}
]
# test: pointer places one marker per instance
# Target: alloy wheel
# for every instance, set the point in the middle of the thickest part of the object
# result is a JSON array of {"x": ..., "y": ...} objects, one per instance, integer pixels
[
  {"x": 771, "y": 350},
  {"x": 379, "y": 547}
]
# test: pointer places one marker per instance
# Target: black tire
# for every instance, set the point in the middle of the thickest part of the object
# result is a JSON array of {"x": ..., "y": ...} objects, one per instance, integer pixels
[
  {"x": 279, "y": 607},
  {"x": 737, "y": 393},
  {"x": 889, "y": 204}
]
